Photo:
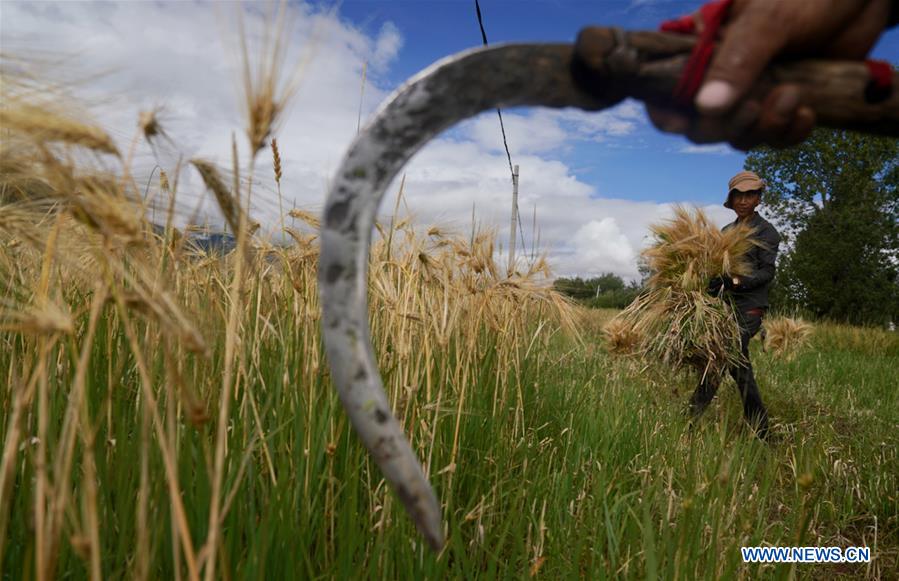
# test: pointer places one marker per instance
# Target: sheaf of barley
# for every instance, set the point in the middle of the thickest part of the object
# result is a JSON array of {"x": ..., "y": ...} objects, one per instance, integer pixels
[
  {"x": 675, "y": 322},
  {"x": 785, "y": 336}
]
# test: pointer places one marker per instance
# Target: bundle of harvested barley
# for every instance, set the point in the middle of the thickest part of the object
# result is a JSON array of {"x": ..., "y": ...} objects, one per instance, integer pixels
[
  {"x": 784, "y": 337},
  {"x": 688, "y": 250},
  {"x": 676, "y": 322},
  {"x": 620, "y": 336}
]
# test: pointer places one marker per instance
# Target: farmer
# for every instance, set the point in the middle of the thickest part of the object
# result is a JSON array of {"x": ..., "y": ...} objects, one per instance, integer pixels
[{"x": 750, "y": 299}]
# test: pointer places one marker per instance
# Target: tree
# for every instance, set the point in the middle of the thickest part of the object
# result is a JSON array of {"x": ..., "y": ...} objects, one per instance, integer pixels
[
  {"x": 579, "y": 288},
  {"x": 836, "y": 200},
  {"x": 607, "y": 283},
  {"x": 607, "y": 290},
  {"x": 576, "y": 288}
]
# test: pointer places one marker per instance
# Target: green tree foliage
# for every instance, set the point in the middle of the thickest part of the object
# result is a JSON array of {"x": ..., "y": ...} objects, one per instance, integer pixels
[
  {"x": 605, "y": 291},
  {"x": 836, "y": 200}
]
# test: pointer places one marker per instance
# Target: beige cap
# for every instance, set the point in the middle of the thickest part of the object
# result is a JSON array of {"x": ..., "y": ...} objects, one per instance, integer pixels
[{"x": 745, "y": 181}]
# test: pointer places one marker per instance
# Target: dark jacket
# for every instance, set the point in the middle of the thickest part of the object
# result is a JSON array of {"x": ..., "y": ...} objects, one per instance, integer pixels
[{"x": 752, "y": 292}]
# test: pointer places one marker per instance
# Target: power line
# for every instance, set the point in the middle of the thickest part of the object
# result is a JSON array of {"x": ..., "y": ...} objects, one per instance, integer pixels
[
  {"x": 502, "y": 127},
  {"x": 477, "y": 7}
]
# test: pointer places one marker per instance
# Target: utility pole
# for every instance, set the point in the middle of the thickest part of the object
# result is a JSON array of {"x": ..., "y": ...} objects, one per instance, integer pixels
[{"x": 513, "y": 236}]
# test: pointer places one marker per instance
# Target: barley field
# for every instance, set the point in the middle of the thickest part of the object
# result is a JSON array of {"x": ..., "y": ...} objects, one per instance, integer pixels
[
  {"x": 550, "y": 458},
  {"x": 168, "y": 413}
]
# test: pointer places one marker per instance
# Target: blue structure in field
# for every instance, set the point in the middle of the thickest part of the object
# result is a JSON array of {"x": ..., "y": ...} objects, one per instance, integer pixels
[
  {"x": 208, "y": 242},
  {"x": 214, "y": 242}
]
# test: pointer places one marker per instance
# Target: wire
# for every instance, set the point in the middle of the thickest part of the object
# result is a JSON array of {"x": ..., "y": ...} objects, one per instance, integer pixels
[
  {"x": 499, "y": 113},
  {"x": 477, "y": 7}
]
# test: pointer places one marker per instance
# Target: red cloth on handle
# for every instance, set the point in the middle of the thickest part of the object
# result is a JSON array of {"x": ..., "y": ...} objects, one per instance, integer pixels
[
  {"x": 881, "y": 73},
  {"x": 712, "y": 15},
  {"x": 683, "y": 25},
  {"x": 879, "y": 88},
  {"x": 880, "y": 85}
]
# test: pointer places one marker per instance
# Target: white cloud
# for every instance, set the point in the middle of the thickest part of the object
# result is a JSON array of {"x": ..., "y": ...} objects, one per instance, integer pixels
[
  {"x": 537, "y": 131},
  {"x": 585, "y": 233},
  {"x": 387, "y": 45},
  {"x": 618, "y": 121},
  {"x": 184, "y": 56},
  {"x": 601, "y": 242},
  {"x": 179, "y": 55},
  {"x": 711, "y": 149},
  {"x": 547, "y": 130}
]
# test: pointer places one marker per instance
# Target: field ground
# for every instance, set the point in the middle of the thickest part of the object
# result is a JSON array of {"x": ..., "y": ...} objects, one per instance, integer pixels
[{"x": 583, "y": 468}]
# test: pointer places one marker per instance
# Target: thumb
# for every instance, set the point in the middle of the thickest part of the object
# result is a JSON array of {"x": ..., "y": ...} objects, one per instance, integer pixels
[{"x": 748, "y": 45}]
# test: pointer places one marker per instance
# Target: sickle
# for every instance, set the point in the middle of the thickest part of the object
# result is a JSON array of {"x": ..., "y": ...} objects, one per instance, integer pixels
[{"x": 611, "y": 65}]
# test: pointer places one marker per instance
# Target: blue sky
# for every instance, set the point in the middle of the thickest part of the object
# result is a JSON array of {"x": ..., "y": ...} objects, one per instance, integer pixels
[
  {"x": 435, "y": 28},
  {"x": 596, "y": 181}
]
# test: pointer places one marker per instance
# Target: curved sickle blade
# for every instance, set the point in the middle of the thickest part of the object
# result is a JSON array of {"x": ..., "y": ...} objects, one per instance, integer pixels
[{"x": 448, "y": 92}]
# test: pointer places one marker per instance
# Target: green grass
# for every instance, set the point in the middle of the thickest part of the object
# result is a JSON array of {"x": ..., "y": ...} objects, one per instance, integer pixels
[{"x": 587, "y": 470}]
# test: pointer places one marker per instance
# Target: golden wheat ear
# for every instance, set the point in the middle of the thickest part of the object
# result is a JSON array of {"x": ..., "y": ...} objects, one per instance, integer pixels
[{"x": 227, "y": 200}]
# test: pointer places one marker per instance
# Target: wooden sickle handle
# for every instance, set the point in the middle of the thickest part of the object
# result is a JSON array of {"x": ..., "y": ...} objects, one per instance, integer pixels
[{"x": 609, "y": 62}]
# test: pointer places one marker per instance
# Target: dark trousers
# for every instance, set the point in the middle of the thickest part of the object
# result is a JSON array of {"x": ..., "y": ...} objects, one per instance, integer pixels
[{"x": 753, "y": 408}]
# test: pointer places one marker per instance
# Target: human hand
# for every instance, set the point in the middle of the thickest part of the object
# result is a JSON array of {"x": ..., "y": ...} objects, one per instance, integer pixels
[
  {"x": 722, "y": 282},
  {"x": 754, "y": 33}
]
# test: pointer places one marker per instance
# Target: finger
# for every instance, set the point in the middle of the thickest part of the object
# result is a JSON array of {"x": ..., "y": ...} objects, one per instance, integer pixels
[
  {"x": 779, "y": 110},
  {"x": 781, "y": 121},
  {"x": 706, "y": 129},
  {"x": 800, "y": 129},
  {"x": 714, "y": 129},
  {"x": 744, "y": 118},
  {"x": 668, "y": 120},
  {"x": 857, "y": 38},
  {"x": 746, "y": 141},
  {"x": 749, "y": 45}
]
